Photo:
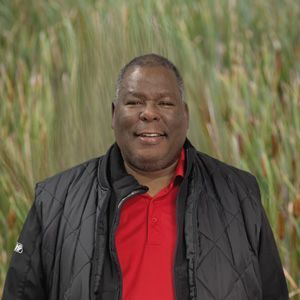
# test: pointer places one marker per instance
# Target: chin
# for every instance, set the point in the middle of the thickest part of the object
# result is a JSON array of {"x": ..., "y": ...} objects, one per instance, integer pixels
[{"x": 146, "y": 163}]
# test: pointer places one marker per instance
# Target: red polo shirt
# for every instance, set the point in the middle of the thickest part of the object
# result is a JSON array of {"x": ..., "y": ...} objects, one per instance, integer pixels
[{"x": 145, "y": 242}]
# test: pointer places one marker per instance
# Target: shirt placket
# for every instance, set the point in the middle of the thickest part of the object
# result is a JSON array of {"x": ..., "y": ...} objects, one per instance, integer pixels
[{"x": 154, "y": 223}]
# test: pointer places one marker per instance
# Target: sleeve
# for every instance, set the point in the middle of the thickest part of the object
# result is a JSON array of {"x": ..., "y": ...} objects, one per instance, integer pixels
[
  {"x": 25, "y": 275},
  {"x": 274, "y": 285}
]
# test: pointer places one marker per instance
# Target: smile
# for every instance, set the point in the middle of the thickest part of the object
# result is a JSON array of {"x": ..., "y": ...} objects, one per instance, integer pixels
[
  {"x": 150, "y": 138},
  {"x": 151, "y": 134}
]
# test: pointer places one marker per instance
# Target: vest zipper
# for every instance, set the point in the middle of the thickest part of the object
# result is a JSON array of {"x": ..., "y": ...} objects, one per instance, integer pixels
[
  {"x": 176, "y": 245},
  {"x": 112, "y": 243},
  {"x": 181, "y": 193}
]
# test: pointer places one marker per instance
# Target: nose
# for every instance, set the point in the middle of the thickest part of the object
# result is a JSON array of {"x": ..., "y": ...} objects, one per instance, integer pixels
[{"x": 149, "y": 113}]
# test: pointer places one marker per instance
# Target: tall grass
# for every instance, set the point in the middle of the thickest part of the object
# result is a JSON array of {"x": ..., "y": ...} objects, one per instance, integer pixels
[{"x": 240, "y": 62}]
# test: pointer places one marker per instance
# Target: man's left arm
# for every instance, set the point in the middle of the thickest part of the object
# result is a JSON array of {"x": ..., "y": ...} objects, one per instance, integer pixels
[
  {"x": 274, "y": 285},
  {"x": 273, "y": 280}
]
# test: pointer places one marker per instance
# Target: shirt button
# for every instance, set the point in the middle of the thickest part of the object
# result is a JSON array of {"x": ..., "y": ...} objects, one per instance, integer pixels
[{"x": 154, "y": 220}]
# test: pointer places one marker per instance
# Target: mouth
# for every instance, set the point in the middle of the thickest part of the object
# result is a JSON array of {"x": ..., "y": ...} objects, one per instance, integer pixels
[
  {"x": 150, "y": 138},
  {"x": 150, "y": 134}
]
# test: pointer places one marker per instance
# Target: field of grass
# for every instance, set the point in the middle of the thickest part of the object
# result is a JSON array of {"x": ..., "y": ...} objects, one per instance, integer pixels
[{"x": 241, "y": 64}]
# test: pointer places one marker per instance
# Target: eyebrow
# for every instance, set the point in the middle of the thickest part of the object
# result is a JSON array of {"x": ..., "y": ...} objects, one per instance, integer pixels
[{"x": 143, "y": 96}]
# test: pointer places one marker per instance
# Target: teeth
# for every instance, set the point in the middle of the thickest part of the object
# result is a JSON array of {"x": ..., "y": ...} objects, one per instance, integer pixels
[{"x": 150, "y": 134}]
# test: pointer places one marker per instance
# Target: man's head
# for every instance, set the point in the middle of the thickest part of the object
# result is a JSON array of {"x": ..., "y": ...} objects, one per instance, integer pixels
[
  {"x": 150, "y": 117},
  {"x": 150, "y": 60}
]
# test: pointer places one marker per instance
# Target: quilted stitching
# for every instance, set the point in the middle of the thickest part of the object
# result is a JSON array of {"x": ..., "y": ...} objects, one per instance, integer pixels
[
  {"x": 214, "y": 236},
  {"x": 73, "y": 235}
]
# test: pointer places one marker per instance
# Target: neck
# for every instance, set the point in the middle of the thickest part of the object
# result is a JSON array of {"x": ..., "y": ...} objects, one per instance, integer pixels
[{"x": 154, "y": 180}]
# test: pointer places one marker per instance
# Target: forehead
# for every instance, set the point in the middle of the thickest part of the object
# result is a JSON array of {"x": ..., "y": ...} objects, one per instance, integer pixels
[{"x": 150, "y": 79}]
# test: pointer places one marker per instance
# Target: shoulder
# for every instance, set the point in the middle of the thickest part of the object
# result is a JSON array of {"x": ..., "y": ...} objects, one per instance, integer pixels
[
  {"x": 60, "y": 184},
  {"x": 232, "y": 175},
  {"x": 59, "y": 194}
]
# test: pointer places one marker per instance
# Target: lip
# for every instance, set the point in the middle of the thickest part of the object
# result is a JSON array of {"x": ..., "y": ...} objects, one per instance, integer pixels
[
  {"x": 150, "y": 137},
  {"x": 149, "y": 134}
]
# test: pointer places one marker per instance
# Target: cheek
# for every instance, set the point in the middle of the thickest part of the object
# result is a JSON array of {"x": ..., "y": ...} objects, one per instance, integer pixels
[
  {"x": 124, "y": 121},
  {"x": 179, "y": 131},
  {"x": 179, "y": 124}
]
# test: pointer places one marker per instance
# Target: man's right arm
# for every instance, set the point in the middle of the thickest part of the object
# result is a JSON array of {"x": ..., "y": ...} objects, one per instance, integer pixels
[{"x": 25, "y": 275}]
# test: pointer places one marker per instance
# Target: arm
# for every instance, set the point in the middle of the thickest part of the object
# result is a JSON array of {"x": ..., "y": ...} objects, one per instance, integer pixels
[
  {"x": 274, "y": 286},
  {"x": 273, "y": 280},
  {"x": 25, "y": 275}
]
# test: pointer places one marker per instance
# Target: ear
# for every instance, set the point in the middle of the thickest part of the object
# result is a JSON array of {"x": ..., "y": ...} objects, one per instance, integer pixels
[{"x": 113, "y": 107}]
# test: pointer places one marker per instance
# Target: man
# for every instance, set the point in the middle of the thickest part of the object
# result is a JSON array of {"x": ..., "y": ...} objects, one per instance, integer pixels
[{"x": 151, "y": 219}]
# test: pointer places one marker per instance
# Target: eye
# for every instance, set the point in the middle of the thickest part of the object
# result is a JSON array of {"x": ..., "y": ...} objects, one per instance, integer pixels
[
  {"x": 166, "y": 103},
  {"x": 133, "y": 102}
]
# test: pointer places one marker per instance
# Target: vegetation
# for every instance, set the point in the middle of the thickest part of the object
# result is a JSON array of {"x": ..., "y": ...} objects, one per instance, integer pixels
[{"x": 240, "y": 61}]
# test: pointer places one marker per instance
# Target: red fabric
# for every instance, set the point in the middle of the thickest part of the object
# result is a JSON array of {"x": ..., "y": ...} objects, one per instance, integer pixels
[{"x": 145, "y": 241}]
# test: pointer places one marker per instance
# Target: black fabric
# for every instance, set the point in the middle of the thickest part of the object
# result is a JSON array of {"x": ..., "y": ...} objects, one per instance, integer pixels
[
  {"x": 269, "y": 263},
  {"x": 226, "y": 249},
  {"x": 122, "y": 184},
  {"x": 181, "y": 263}
]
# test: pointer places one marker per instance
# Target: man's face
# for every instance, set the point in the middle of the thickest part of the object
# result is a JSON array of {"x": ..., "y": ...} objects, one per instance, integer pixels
[{"x": 150, "y": 120}]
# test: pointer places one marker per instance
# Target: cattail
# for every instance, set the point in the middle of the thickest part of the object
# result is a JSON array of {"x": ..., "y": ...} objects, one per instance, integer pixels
[
  {"x": 296, "y": 207},
  {"x": 263, "y": 166},
  {"x": 294, "y": 237},
  {"x": 281, "y": 220},
  {"x": 11, "y": 219}
]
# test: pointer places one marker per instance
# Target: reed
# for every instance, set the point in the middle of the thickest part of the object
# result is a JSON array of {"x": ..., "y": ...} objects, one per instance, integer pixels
[{"x": 240, "y": 62}]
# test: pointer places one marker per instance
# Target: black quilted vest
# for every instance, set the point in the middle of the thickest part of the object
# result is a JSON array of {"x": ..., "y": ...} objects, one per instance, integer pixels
[
  {"x": 75, "y": 214},
  {"x": 218, "y": 217}
]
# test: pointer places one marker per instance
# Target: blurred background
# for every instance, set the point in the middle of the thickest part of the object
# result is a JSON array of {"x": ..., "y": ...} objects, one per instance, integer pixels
[{"x": 240, "y": 61}]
